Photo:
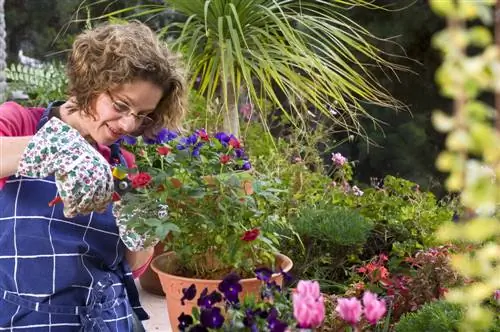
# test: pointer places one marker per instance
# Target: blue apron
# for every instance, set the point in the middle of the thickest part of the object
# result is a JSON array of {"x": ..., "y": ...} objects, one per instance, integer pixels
[{"x": 60, "y": 274}]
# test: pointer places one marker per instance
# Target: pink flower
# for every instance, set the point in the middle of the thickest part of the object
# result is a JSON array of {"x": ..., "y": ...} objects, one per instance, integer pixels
[
  {"x": 497, "y": 295},
  {"x": 338, "y": 159},
  {"x": 308, "y": 304},
  {"x": 349, "y": 310},
  {"x": 374, "y": 309}
]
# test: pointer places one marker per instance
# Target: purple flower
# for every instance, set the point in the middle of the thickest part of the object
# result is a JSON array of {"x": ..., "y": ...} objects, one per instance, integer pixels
[
  {"x": 208, "y": 301},
  {"x": 246, "y": 166},
  {"x": 211, "y": 318},
  {"x": 184, "y": 321},
  {"x": 196, "y": 150},
  {"x": 338, "y": 159},
  {"x": 149, "y": 141},
  {"x": 223, "y": 138},
  {"x": 286, "y": 276},
  {"x": 188, "y": 293},
  {"x": 273, "y": 323},
  {"x": 230, "y": 287},
  {"x": 198, "y": 328},
  {"x": 189, "y": 140},
  {"x": 263, "y": 274},
  {"x": 171, "y": 135},
  {"x": 162, "y": 135},
  {"x": 250, "y": 321},
  {"x": 130, "y": 140}
]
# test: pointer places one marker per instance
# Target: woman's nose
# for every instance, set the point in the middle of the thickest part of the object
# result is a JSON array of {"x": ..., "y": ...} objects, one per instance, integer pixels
[{"x": 128, "y": 124}]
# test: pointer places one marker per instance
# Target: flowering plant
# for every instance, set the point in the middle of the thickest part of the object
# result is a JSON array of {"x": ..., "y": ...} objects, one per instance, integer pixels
[
  {"x": 351, "y": 310},
  {"x": 201, "y": 192},
  {"x": 276, "y": 309}
]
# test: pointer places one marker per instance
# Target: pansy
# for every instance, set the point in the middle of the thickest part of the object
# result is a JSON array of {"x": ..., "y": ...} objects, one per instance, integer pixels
[
  {"x": 188, "y": 293},
  {"x": 274, "y": 323},
  {"x": 211, "y": 318},
  {"x": 184, "y": 321},
  {"x": 230, "y": 287},
  {"x": 208, "y": 300},
  {"x": 263, "y": 274}
]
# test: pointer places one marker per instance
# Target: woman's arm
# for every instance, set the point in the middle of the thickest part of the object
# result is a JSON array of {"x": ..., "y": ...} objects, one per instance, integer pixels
[
  {"x": 11, "y": 150},
  {"x": 137, "y": 259}
]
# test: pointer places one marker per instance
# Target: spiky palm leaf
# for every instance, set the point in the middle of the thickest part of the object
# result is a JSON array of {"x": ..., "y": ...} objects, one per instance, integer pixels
[{"x": 305, "y": 52}]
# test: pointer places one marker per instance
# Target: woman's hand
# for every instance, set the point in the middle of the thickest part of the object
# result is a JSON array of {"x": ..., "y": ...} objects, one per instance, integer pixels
[
  {"x": 133, "y": 241},
  {"x": 83, "y": 177},
  {"x": 137, "y": 259}
]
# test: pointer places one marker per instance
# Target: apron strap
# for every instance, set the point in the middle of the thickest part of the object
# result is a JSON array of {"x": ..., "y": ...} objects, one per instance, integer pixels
[{"x": 47, "y": 113}]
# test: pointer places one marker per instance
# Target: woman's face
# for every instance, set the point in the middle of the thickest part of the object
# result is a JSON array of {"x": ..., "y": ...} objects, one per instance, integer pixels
[{"x": 123, "y": 110}]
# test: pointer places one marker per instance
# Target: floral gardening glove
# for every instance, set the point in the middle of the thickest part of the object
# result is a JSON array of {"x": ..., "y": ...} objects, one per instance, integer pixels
[
  {"x": 83, "y": 177},
  {"x": 132, "y": 239}
]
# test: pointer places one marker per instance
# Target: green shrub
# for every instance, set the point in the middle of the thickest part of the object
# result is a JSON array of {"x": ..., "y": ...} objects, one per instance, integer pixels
[
  {"x": 439, "y": 316},
  {"x": 331, "y": 236},
  {"x": 332, "y": 225},
  {"x": 405, "y": 217}
]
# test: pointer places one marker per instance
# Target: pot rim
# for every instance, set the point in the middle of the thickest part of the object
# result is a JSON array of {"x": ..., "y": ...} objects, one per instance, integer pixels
[{"x": 286, "y": 260}]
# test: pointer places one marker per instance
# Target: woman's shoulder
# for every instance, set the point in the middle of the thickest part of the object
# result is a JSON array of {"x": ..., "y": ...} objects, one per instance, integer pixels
[{"x": 17, "y": 120}]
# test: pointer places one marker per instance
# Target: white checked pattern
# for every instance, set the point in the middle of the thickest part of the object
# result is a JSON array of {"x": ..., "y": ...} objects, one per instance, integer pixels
[{"x": 46, "y": 259}]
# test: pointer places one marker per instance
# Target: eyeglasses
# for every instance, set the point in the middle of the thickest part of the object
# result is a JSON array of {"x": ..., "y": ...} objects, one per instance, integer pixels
[{"x": 124, "y": 109}]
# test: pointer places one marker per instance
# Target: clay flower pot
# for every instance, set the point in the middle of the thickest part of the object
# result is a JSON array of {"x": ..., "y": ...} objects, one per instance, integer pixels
[
  {"x": 165, "y": 265},
  {"x": 149, "y": 279}
]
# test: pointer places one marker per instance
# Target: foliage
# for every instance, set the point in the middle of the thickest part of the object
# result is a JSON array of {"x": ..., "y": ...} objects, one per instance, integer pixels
[
  {"x": 472, "y": 155},
  {"x": 410, "y": 283},
  {"x": 274, "y": 309},
  {"x": 330, "y": 235},
  {"x": 404, "y": 216},
  {"x": 438, "y": 316},
  {"x": 201, "y": 188},
  {"x": 43, "y": 85}
]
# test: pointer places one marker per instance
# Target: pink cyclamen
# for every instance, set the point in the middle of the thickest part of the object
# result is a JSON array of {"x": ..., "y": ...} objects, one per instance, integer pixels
[
  {"x": 496, "y": 296},
  {"x": 308, "y": 304},
  {"x": 338, "y": 159},
  {"x": 374, "y": 309},
  {"x": 349, "y": 310}
]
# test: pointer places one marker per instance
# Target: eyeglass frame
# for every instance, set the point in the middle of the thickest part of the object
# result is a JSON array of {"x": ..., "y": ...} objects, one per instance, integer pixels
[{"x": 141, "y": 120}]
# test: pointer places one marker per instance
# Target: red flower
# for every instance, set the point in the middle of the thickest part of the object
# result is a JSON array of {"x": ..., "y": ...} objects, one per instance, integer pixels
[
  {"x": 224, "y": 159},
  {"x": 116, "y": 197},
  {"x": 141, "y": 180},
  {"x": 203, "y": 135},
  {"x": 251, "y": 235},
  {"x": 234, "y": 143},
  {"x": 163, "y": 150}
]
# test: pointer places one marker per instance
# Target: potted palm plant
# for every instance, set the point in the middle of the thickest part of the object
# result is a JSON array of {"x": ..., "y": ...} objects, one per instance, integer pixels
[{"x": 201, "y": 192}]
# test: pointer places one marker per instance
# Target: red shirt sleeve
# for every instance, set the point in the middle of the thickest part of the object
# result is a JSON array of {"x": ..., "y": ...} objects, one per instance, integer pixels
[{"x": 16, "y": 120}]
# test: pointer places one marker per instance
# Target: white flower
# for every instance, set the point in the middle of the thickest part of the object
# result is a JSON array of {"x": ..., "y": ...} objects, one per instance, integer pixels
[{"x": 356, "y": 191}]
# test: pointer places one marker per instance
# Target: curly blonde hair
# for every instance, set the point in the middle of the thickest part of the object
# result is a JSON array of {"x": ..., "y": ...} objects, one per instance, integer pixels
[{"x": 110, "y": 55}]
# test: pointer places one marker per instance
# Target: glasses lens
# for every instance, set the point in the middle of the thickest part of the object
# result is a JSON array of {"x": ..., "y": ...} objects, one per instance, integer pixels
[{"x": 146, "y": 121}]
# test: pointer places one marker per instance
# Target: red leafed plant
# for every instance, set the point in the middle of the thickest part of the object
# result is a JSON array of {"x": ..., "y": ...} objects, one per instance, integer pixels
[{"x": 419, "y": 279}]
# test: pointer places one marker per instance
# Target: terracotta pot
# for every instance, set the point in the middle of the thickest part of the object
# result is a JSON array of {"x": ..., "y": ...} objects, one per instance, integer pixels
[
  {"x": 149, "y": 279},
  {"x": 165, "y": 264}
]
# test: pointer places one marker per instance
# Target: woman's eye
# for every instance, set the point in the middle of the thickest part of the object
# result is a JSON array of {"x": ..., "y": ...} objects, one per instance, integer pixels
[{"x": 120, "y": 107}]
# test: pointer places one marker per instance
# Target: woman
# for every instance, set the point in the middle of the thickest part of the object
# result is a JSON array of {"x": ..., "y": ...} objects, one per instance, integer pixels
[{"x": 63, "y": 267}]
